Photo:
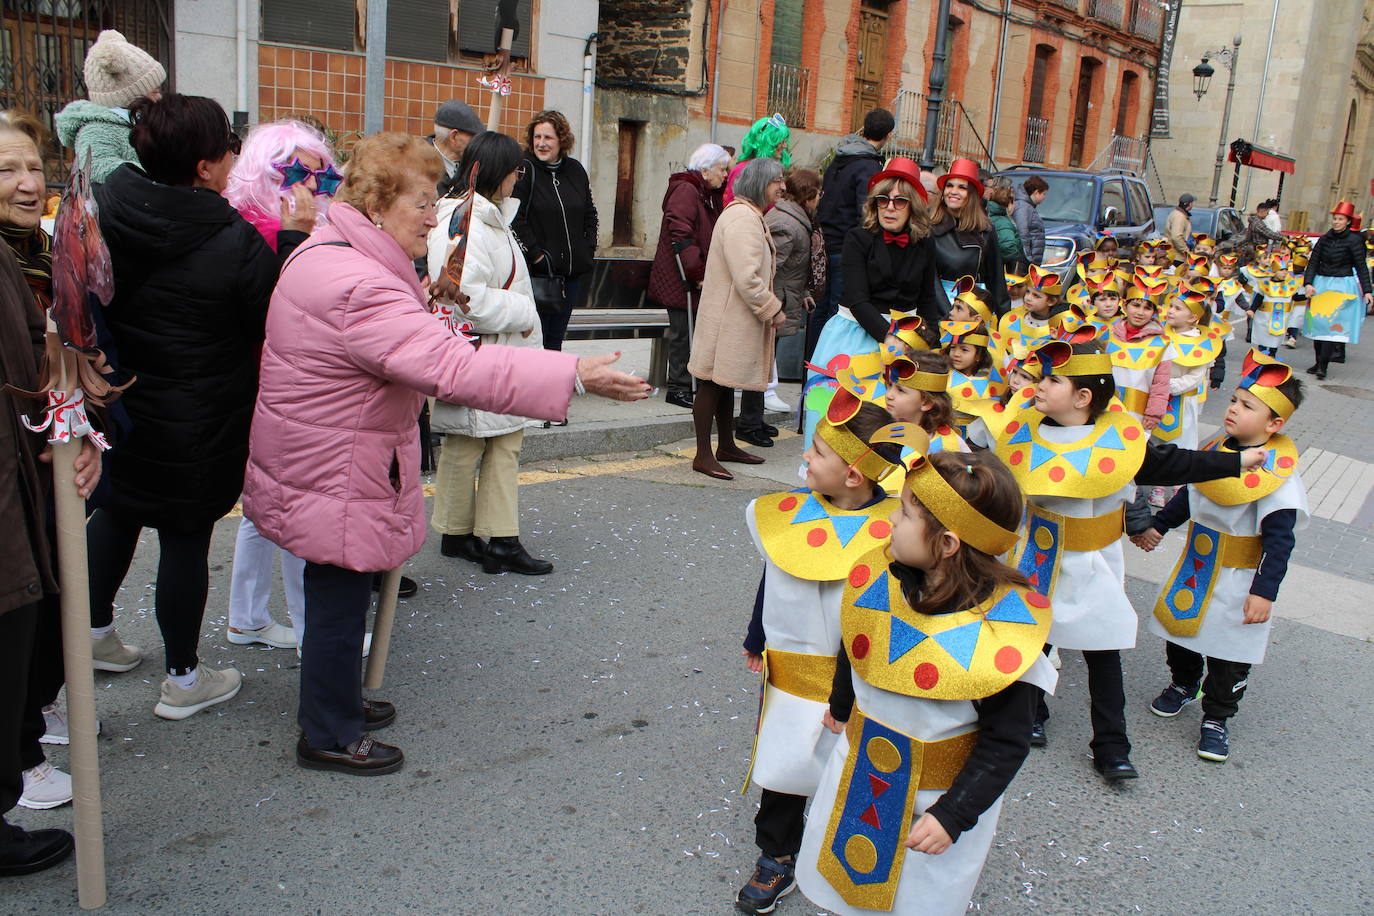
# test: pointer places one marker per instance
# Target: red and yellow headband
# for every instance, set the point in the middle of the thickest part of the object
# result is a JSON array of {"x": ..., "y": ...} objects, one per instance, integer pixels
[
  {"x": 1057, "y": 358},
  {"x": 904, "y": 373},
  {"x": 1047, "y": 281},
  {"x": 1262, "y": 375},
  {"x": 973, "y": 333},
  {"x": 907, "y": 328},
  {"x": 963, "y": 289},
  {"x": 851, "y": 449}
]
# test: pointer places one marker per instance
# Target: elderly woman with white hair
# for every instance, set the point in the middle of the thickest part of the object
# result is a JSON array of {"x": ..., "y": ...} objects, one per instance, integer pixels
[
  {"x": 690, "y": 209},
  {"x": 738, "y": 318}
]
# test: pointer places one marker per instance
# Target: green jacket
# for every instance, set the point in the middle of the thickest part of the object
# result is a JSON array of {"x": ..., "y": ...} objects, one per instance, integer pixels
[
  {"x": 1008, "y": 239},
  {"x": 101, "y": 132}
]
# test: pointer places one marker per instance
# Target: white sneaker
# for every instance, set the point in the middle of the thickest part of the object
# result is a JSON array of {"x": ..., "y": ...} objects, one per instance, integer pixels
[
  {"x": 776, "y": 404},
  {"x": 109, "y": 653},
  {"x": 274, "y": 635},
  {"x": 45, "y": 786},
  {"x": 211, "y": 687},
  {"x": 56, "y": 730},
  {"x": 367, "y": 646}
]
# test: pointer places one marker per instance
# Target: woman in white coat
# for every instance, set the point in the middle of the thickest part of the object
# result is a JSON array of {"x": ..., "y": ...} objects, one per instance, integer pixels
[{"x": 501, "y": 310}]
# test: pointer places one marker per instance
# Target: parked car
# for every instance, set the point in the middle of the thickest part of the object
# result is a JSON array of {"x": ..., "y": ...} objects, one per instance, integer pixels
[
  {"x": 1081, "y": 205},
  {"x": 1218, "y": 222}
]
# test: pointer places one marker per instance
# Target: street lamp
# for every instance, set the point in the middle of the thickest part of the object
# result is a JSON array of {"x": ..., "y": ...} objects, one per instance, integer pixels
[{"x": 1202, "y": 78}]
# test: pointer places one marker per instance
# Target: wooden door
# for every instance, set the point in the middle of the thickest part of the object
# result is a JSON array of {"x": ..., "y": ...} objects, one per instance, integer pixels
[
  {"x": 1080, "y": 113},
  {"x": 869, "y": 63}
]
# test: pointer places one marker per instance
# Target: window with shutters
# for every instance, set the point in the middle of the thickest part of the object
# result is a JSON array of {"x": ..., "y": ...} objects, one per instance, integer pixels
[
  {"x": 477, "y": 31},
  {"x": 788, "y": 81},
  {"x": 417, "y": 29},
  {"x": 787, "y": 32},
  {"x": 313, "y": 23}
]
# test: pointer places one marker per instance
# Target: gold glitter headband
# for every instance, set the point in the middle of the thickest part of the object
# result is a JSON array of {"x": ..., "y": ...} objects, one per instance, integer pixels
[{"x": 853, "y": 452}]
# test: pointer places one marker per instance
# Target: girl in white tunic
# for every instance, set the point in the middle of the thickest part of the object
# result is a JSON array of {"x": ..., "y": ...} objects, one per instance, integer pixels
[
  {"x": 942, "y": 651},
  {"x": 1272, "y": 307},
  {"x": 1215, "y": 605}
]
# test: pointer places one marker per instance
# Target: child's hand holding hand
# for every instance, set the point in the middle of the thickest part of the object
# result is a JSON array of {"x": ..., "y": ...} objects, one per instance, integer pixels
[
  {"x": 1147, "y": 540},
  {"x": 928, "y": 836},
  {"x": 1257, "y": 609},
  {"x": 831, "y": 722},
  {"x": 755, "y": 662},
  {"x": 1149, "y": 423}
]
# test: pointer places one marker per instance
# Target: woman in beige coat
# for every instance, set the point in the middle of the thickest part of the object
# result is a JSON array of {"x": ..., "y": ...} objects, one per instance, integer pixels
[{"x": 738, "y": 317}]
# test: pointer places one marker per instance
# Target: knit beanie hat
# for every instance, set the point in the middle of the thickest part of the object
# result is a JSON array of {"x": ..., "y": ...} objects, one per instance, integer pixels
[{"x": 117, "y": 72}]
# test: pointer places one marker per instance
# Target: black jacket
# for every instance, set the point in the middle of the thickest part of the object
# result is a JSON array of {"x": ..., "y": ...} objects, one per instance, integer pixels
[
  {"x": 192, "y": 283},
  {"x": 846, "y": 188},
  {"x": 556, "y": 219},
  {"x": 1336, "y": 254},
  {"x": 879, "y": 278},
  {"x": 962, "y": 254}
]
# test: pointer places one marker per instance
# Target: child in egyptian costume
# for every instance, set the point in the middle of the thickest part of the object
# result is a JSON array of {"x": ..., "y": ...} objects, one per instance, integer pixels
[
  {"x": 935, "y": 685},
  {"x": 1272, "y": 306}
]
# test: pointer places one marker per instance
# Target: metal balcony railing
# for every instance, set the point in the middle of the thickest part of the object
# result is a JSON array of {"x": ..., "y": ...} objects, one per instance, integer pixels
[
  {"x": 788, "y": 88},
  {"x": 1148, "y": 20},
  {"x": 1111, "y": 12},
  {"x": 1037, "y": 140},
  {"x": 1122, "y": 153},
  {"x": 955, "y": 135},
  {"x": 1070, "y": 4}
]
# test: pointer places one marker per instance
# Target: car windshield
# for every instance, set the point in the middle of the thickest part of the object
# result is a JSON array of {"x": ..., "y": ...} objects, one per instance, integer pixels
[{"x": 1069, "y": 200}]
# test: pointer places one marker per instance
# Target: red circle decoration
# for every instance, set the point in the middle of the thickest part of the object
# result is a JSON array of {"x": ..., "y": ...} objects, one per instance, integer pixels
[
  {"x": 1007, "y": 659},
  {"x": 1252, "y": 480},
  {"x": 1117, "y": 407},
  {"x": 1035, "y": 599},
  {"x": 859, "y": 649},
  {"x": 1056, "y": 474},
  {"x": 1131, "y": 432},
  {"x": 788, "y": 503},
  {"x": 816, "y": 537},
  {"x": 967, "y": 391},
  {"x": 1119, "y": 356},
  {"x": 926, "y": 675},
  {"x": 1017, "y": 456},
  {"x": 879, "y": 529},
  {"x": 943, "y": 430},
  {"x": 1150, "y": 354},
  {"x": 1106, "y": 465},
  {"x": 999, "y": 408},
  {"x": 1285, "y": 462},
  {"x": 858, "y": 576},
  {"x": 1014, "y": 425}
]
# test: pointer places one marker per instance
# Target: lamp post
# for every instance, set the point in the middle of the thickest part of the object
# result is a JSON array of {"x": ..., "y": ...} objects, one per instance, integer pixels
[
  {"x": 1202, "y": 78},
  {"x": 937, "y": 85}
]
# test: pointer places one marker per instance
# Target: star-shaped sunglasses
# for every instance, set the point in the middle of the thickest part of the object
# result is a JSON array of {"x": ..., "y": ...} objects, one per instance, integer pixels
[{"x": 326, "y": 179}]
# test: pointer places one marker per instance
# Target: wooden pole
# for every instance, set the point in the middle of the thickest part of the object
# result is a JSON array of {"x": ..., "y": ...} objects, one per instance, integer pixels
[
  {"x": 494, "y": 114},
  {"x": 381, "y": 629},
  {"x": 76, "y": 656}
]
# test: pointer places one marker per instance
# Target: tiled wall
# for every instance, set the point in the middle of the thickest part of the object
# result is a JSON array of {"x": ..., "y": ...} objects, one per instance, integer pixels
[{"x": 328, "y": 85}]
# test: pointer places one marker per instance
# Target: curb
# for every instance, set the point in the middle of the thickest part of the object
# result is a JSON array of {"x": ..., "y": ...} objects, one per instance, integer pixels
[{"x": 600, "y": 437}]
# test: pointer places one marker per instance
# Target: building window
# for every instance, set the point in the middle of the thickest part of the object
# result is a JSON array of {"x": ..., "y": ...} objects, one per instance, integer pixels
[
  {"x": 477, "y": 31},
  {"x": 1126, "y": 104},
  {"x": 417, "y": 29},
  {"x": 313, "y": 23},
  {"x": 627, "y": 164}
]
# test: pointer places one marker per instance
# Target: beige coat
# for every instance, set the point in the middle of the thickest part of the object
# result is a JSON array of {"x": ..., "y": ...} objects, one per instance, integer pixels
[
  {"x": 733, "y": 341},
  {"x": 1177, "y": 229}
]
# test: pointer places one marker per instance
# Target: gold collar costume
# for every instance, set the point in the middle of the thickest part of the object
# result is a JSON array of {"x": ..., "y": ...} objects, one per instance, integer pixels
[{"x": 809, "y": 537}]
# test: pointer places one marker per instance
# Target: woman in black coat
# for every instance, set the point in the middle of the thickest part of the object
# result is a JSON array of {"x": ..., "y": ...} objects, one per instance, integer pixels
[
  {"x": 962, "y": 240},
  {"x": 1337, "y": 265},
  {"x": 192, "y": 283},
  {"x": 556, "y": 223}
]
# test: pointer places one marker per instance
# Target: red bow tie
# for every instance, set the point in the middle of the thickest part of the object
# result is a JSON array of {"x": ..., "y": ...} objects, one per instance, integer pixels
[{"x": 900, "y": 239}]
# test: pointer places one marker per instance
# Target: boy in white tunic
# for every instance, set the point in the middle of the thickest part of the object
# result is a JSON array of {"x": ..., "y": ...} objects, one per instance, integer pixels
[{"x": 1215, "y": 606}]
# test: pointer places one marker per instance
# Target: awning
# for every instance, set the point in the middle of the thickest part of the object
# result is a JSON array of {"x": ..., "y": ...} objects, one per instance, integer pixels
[{"x": 1259, "y": 158}]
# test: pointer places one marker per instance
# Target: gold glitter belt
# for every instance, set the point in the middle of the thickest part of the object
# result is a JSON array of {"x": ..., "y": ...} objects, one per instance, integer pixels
[
  {"x": 1133, "y": 399},
  {"x": 1240, "y": 551},
  {"x": 1084, "y": 534},
  {"x": 939, "y": 761},
  {"x": 807, "y": 676}
]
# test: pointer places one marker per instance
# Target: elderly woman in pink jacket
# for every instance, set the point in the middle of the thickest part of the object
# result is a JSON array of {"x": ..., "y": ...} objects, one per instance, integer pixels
[{"x": 333, "y": 471}]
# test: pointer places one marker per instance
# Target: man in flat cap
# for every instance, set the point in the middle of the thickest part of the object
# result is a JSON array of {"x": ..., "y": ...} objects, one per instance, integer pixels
[{"x": 455, "y": 123}]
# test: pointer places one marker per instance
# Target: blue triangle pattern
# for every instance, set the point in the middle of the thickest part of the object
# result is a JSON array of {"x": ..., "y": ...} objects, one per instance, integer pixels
[
  {"x": 874, "y": 597},
  {"x": 811, "y": 511},
  {"x": 1079, "y": 459},
  {"x": 1039, "y": 455},
  {"x": 846, "y": 526},
  {"x": 1111, "y": 439},
  {"x": 902, "y": 637},
  {"x": 1021, "y": 436},
  {"x": 960, "y": 642},
  {"x": 1011, "y": 609},
  {"x": 1270, "y": 457}
]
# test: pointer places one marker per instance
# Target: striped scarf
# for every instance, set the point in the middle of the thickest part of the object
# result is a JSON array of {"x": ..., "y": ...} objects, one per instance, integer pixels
[{"x": 33, "y": 250}]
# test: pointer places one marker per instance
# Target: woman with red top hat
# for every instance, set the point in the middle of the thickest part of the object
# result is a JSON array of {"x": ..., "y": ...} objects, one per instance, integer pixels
[
  {"x": 887, "y": 268},
  {"x": 1337, "y": 265},
  {"x": 962, "y": 240}
]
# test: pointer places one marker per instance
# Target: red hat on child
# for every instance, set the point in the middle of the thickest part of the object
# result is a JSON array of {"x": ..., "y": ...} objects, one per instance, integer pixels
[
  {"x": 966, "y": 169},
  {"x": 1344, "y": 208},
  {"x": 903, "y": 168}
]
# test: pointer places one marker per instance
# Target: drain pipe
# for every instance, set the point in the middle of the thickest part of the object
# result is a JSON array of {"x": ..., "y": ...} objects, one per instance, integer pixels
[
  {"x": 241, "y": 51},
  {"x": 997, "y": 89},
  {"x": 588, "y": 73},
  {"x": 1259, "y": 106},
  {"x": 715, "y": 72}
]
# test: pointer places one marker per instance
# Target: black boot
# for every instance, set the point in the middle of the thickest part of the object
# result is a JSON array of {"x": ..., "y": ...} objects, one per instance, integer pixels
[
  {"x": 463, "y": 546},
  {"x": 406, "y": 589},
  {"x": 1339, "y": 355},
  {"x": 509, "y": 554}
]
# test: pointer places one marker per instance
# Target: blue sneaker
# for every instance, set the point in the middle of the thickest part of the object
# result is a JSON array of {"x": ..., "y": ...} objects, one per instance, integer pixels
[
  {"x": 1215, "y": 743},
  {"x": 1171, "y": 702},
  {"x": 772, "y": 881}
]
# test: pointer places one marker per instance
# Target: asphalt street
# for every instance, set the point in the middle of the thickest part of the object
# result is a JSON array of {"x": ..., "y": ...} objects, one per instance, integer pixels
[{"x": 576, "y": 743}]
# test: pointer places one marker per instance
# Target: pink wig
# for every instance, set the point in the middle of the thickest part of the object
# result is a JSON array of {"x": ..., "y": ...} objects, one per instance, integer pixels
[{"x": 255, "y": 186}]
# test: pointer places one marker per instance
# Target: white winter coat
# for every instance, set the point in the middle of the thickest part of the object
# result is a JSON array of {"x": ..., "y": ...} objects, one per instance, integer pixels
[{"x": 502, "y": 302}]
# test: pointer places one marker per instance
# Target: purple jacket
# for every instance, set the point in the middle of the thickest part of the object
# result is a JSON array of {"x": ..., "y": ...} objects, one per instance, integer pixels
[
  {"x": 690, "y": 210},
  {"x": 334, "y": 461}
]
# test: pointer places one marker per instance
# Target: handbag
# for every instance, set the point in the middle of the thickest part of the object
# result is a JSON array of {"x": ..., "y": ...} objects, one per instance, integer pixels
[{"x": 549, "y": 294}]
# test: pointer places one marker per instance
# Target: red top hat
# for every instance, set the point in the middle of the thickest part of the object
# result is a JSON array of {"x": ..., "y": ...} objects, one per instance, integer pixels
[
  {"x": 966, "y": 169},
  {"x": 903, "y": 168},
  {"x": 1344, "y": 208}
]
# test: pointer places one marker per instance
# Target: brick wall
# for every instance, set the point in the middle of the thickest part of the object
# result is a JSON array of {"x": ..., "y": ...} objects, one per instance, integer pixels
[{"x": 645, "y": 42}]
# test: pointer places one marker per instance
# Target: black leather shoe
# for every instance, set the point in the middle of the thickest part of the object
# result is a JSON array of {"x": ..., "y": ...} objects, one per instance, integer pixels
[
  {"x": 33, "y": 850},
  {"x": 1037, "y": 734},
  {"x": 509, "y": 554},
  {"x": 365, "y": 757},
  {"x": 1311, "y": 370},
  {"x": 754, "y": 437},
  {"x": 679, "y": 399},
  {"x": 407, "y": 588},
  {"x": 463, "y": 546},
  {"x": 378, "y": 714},
  {"x": 1115, "y": 769},
  {"x": 1339, "y": 355},
  {"x": 770, "y": 430},
  {"x": 1321, "y": 373}
]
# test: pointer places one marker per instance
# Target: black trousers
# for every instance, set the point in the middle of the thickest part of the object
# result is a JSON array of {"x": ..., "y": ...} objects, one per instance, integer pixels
[
  {"x": 183, "y": 580},
  {"x": 1223, "y": 686},
  {"x": 17, "y": 628},
  {"x": 750, "y": 412},
  {"x": 1325, "y": 351},
  {"x": 45, "y": 679},
  {"x": 554, "y": 325},
  {"x": 1107, "y": 698},
  {"x": 679, "y": 345},
  {"x": 1217, "y": 373},
  {"x": 336, "y": 603},
  {"x": 778, "y": 825}
]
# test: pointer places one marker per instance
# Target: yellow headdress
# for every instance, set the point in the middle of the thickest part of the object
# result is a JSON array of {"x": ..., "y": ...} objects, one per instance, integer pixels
[
  {"x": 1047, "y": 281},
  {"x": 1262, "y": 375},
  {"x": 903, "y": 372},
  {"x": 973, "y": 333},
  {"x": 963, "y": 289},
  {"x": 852, "y": 450},
  {"x": 1057, "y": 358}
]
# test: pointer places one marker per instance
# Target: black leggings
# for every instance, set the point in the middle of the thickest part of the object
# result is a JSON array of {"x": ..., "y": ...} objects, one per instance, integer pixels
[
  {"x": 778, "y": 825},
  {"x": 183, "y": 580},
  {"x": 1107, "y": 699}
]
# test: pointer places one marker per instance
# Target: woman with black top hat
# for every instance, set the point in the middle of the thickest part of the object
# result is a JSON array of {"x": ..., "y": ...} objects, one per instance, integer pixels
[
  {"x": 1337, "y": 265},
  {"x": 962, "y": 240}
]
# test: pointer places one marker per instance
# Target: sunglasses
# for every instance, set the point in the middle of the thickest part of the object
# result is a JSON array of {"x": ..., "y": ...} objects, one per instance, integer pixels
[
  {"x": 327, "y": 180},
  {"x": 897, "y": 203}
]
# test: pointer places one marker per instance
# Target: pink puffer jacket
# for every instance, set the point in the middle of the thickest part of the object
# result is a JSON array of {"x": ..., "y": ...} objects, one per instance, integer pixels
[{"x": 334, "y": 463}]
